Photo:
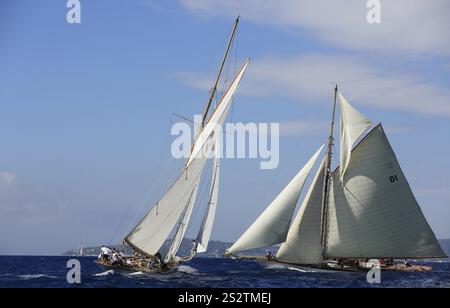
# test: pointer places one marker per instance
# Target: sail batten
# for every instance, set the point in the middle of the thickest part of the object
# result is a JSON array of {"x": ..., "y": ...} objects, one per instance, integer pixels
[{"x": 273, "y": 224}]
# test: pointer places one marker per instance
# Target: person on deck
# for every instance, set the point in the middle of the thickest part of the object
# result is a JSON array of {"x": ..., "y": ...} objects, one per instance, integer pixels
[{"x": 105, "y": 254}]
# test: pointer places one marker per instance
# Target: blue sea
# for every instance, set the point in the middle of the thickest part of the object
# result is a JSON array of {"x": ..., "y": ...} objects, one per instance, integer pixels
[{"x": 50, "y": 272}]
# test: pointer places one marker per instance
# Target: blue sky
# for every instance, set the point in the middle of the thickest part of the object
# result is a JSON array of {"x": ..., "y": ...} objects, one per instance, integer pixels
[{"x": 86, "y": 110}]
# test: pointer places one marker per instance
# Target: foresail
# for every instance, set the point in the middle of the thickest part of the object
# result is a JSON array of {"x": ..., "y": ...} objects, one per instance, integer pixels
[
  {"x": 183, "y": 224},
  {"x": 303, "y": 244},
  {"x": 150, "y": 234},
  {"x": 272, "y": 225},
  {"x": 374, "y": 214},
  {"x": 208, "y": 220},
  {"x": 353, "y": 125}
]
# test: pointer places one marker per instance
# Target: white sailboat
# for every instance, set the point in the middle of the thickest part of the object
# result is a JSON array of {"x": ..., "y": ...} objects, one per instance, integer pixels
[
  {"x": 173, "y": 212},
  {"x": 363, "y": 210},
  {"x": 81, "y": 251}
]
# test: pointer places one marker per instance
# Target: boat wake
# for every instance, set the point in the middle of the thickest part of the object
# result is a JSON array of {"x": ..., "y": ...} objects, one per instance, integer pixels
[
  {"x": 136, "y": 274},
  {"x": 275, "y": 267},
  {"x": 302, "y": 270},
  {"x": 35, "y": 276},
  {"x": 107, "y": 273},
  {"x": 187, "y": 269}
]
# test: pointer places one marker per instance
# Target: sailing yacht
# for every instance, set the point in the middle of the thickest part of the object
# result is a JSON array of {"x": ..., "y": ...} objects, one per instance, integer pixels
[
  {"x": 81, "y": 250},
  {"x": 363, "y": 210},
  {"x": 172, "y": 213}
]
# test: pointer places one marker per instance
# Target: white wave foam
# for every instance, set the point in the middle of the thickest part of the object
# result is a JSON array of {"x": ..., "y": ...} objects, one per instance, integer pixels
[
  {"x": 275, "y": 267},
  {"x": 187, "y": 269},
  {"x": 107, "y": 273},
  {"x": 301, "y": 270},
  {"x": 136, "y": 274},
  {"x": 35, "y": 276}
]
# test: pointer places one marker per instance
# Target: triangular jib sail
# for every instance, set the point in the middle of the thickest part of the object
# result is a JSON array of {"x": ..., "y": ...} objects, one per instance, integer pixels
[
  {"x": 208, "y": 221},
  {"x": 303, "y": 244},
  {"x": 272, "y": 225}
]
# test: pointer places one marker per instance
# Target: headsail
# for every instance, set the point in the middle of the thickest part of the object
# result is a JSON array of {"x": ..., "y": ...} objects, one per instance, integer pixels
[
  {"x": 272, "y": 225},
  {"x": 353, "y": 125},
  {"x": 303, "y": 244},
  {"x": 374, "y": 214},
  {"x": 151, "y": 232},
  {"x": 204, "y": 233},
  {"x": 183, "y": 225}
]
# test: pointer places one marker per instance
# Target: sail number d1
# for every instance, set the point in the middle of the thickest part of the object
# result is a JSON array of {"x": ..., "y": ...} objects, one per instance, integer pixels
[{"x": 393, "y": 179}]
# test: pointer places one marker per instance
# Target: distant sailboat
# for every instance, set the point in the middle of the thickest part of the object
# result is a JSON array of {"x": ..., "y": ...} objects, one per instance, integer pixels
[
  {"x": 173, "y": 212},
  {"x": 81, "y": 252},
  {"x": 363, "y": 210}
]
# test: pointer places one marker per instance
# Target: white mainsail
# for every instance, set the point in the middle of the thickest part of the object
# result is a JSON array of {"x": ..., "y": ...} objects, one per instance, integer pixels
[
  {"x": 208, "y": 220},
  {"x": 151, "y": 232},
  {"x": 303, "y": 244},
  {"x": 373, "y": 213},
  {"x": 272, "y": 225},
  {"x": 353, "y": 125}
]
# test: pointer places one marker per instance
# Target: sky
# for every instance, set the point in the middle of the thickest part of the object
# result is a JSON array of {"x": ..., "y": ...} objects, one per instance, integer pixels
[{"x": 86, "y": 109}]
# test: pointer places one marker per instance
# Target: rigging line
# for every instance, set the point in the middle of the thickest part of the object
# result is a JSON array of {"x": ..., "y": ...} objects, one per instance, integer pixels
[
  {"x": 120, "y": 225},
  {"x": 155, "y": 186},
  {"x": 173, "y": 208},
  {"x": 203, "y": 192},
  {"x": 290, "y": 156}
]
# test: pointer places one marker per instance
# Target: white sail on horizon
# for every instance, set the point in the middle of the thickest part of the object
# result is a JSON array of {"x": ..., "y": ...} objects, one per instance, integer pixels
[{"x": 272, "y": 226}]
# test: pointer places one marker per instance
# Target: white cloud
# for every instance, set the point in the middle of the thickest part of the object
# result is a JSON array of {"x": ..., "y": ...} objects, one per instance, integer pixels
[
  {"x": 7, "y": 179},
  {"x": 22, "y": 204},
  {"x": 302, "y": 128},
  {"x": 308, "y": 78},
  {"x": 411, "y": 26}
]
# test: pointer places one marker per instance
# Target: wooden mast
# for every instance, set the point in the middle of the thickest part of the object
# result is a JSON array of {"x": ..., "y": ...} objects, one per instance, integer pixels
[
  {"x": 323, "y": 226},
  {"x": 214, "y": 88}
]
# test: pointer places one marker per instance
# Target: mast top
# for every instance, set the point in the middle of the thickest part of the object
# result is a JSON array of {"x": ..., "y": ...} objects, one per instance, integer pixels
[{"x": 222, "y": 64}]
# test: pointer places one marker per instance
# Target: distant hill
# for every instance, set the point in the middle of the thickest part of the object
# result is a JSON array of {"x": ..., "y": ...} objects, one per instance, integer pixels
[{"x": 216, "y": 249}]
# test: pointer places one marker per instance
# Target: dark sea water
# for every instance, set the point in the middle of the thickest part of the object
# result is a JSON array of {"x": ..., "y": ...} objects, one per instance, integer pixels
[{"x": 50, "y": 272}]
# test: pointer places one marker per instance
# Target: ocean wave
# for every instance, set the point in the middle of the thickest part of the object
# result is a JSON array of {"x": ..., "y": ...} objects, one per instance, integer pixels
[
  {"x": 187, "y": 269},
  {"x": 107, "y": 273},
  {"x": 136, "y": 274},
  {"x": 275, "y": 267},
  {"x": 35, "y": 276},
  {"x": 301, "y": 270}
]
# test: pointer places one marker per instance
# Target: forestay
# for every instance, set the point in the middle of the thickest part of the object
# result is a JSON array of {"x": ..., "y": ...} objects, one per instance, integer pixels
[{"x": 272, "y": 225}]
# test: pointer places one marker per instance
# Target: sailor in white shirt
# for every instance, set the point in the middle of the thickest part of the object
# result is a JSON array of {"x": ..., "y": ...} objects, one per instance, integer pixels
[{"x": 105, "y": 253}]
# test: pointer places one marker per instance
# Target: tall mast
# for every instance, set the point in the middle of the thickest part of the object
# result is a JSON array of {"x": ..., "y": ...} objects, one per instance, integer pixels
[
  {"x": 324, "y": 226},
  {"x": 214, "y": 88}
]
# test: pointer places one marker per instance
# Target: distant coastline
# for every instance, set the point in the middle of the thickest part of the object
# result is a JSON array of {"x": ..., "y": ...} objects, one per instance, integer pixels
[{"x": 216, "y": 249}]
